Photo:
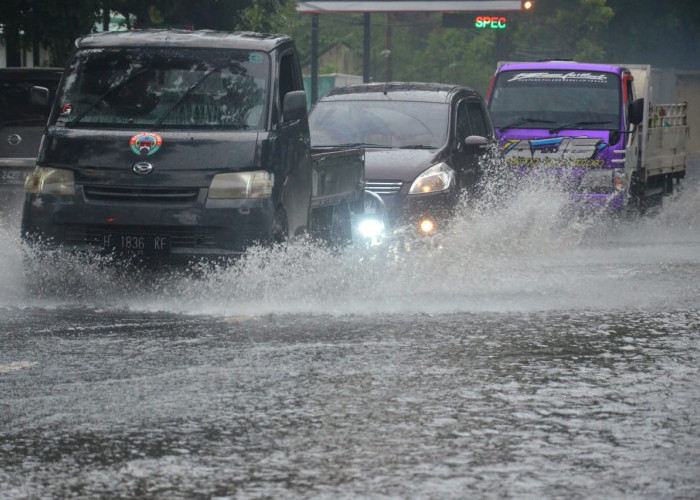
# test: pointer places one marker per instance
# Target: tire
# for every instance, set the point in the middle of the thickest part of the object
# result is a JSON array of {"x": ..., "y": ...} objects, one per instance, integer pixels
[{"x": 280, "y": 226}]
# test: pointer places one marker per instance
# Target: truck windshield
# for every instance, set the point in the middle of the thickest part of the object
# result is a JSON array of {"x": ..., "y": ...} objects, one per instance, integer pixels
[
  {"x": 556, "y": 99},
  {"x": 386, "y": 124},
  {"x": 166, "y": 88}
]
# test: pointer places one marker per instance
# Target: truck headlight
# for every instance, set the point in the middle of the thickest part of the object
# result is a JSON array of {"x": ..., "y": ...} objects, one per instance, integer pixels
[
  {"x": 241, "y": 185},
  {"x": 603, "y": 180},
  {"x": 52, "y": 181},
  {"x": 437, "y": 178}
]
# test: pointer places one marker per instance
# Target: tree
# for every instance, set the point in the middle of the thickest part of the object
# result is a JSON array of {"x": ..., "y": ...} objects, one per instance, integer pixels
[
  {"x": 575, "y": 29},
  {"x": 664, "y": 34},
  {"x": 55, "y": 25}
]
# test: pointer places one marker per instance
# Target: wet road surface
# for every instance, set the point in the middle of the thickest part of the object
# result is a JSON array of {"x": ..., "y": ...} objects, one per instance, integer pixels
[{"x": 514, "y": 359}]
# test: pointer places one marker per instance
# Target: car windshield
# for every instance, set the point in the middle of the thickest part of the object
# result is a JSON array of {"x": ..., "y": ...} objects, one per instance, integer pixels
[
  {"x": 388, "y": 124},
  {"x": 165, "y": 87},
  {"x": 555, "y": 99}
]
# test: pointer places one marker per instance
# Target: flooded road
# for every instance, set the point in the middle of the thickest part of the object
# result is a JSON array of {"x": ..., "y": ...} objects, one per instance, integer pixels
[{"x": 519, "y": 356}]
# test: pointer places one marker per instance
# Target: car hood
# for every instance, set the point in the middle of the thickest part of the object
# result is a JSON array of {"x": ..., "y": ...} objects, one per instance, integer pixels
[{"x": 397, "y": 164}]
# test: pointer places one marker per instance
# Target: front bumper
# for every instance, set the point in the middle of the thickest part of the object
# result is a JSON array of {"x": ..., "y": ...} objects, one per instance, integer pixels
[
  {"x": 409, "y": 210},
  {"x": 612, "y": 202},
  {"x": 165, "y": 231}
]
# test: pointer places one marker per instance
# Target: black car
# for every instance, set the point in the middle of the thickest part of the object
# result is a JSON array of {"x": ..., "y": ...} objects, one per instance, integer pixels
[
  {"x": 22, "y": 122},
  {"x": 422, "y": 143}
]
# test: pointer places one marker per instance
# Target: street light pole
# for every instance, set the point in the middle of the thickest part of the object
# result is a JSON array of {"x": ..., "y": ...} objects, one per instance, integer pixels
[
  {"x": 365, "y": 49},
  {"x": 314, "y": 58}
]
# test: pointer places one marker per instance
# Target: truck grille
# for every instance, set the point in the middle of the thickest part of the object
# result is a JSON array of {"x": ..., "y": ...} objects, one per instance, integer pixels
[
  {"x": 384, "y": 187},
  {"x": 141, "y": 195}
]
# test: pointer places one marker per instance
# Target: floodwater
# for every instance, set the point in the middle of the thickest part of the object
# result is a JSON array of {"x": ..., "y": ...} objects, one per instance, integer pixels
[{"x": 523, "y": 354}]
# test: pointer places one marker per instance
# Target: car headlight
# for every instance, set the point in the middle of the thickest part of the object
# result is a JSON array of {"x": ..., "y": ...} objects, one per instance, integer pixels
[
  {"x": 52, "y": 181},
  {"x": 371, "y": 228},
  {"x": 241, "y": 185},
  {"x": 437, "y": 178}
]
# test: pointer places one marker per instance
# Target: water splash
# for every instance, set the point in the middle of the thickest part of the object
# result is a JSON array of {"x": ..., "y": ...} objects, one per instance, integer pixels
[{"x": 514, "y": 248}]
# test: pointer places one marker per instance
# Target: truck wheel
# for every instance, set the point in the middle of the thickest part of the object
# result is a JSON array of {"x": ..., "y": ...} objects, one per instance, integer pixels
[{"x": 280, "y": 228}]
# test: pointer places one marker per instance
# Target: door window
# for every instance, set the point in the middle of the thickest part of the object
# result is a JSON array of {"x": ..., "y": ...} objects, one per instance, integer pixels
[
  {"x": 477, "y": 119},
  {"x": 463, "y": 128}
]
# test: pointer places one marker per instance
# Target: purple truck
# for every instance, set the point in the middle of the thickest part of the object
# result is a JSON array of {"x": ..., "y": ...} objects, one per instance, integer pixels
[{"x": 593, "y": 127}]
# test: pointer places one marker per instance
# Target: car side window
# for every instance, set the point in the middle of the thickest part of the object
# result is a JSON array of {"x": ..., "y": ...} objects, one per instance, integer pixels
[
  {"x": 477, "y": 119},
  {"x": 288, "y": 80},
  {"x": 462, "y": 121}
]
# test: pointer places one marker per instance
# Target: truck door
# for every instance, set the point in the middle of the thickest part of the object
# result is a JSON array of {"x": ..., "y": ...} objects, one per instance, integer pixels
[{"x": 294, "y": 161}]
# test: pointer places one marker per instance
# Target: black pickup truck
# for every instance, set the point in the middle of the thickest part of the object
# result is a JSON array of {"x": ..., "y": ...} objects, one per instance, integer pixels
[
  {"x": 171, "y": 146},
  {"x": 23, "y": 117}
]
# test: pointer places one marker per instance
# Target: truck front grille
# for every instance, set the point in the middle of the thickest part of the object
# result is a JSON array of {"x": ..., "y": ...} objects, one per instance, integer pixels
[{"x": 141, "y": 195}]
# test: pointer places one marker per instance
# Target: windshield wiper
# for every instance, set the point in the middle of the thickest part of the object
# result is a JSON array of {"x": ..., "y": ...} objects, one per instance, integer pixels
[
  {"x": 576, "y": 124},
  {"x": 523, "y": 121},
  {"x": 184, "y": 96},
  {"x": 106, "y": 94}
]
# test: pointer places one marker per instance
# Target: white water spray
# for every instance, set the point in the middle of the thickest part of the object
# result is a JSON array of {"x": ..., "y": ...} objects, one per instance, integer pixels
[{"x": 512, "y": 250}]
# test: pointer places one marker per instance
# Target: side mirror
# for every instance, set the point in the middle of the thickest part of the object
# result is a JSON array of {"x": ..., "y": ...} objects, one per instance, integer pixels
[
  {"x": 475, "y": 144},
  {"x": 39, "y": 98},
  {"x": 635, "y": 110},
  {"x": 294, "y": 106}
]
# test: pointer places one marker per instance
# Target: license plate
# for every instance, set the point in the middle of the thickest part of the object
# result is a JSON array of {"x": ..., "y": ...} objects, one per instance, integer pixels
[{"x": 137, "y": 244}]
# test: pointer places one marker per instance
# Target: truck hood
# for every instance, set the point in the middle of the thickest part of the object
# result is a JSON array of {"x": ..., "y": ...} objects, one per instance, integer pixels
[
  {"x": 182, "y": 159},
  {"x": 398, "y": 164}
]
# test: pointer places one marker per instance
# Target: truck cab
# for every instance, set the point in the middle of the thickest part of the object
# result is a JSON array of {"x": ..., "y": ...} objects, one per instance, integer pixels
[
  {"x": 568, "y": 118},
  {"x": 591, "y": 126},
  {"x": 174, "y": 145}
]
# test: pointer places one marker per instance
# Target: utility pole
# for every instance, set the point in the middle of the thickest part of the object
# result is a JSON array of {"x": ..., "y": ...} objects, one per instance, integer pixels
[
  {"x": 388, "y": 76},
  {"x": 314, "y": 58},
  {"x": 365, "y": 49}
]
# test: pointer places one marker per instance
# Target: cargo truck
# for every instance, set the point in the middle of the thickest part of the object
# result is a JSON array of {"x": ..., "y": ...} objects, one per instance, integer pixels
[{"x": 594, "y": 128}]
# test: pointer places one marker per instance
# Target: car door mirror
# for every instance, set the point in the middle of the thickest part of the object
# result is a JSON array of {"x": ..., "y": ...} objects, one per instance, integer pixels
[
  {"x": 475, "y": 144},
  {"x": 294, "y": 106}
]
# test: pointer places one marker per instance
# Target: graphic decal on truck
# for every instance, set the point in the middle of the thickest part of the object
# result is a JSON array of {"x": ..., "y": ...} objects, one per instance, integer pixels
[
  {"x": 555, "y": 151},
  {"x": 543, "y": 76},
  {"x": 145, "y": 143}
]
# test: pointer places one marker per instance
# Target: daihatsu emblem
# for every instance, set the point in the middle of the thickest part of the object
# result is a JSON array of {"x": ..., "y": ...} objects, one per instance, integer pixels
[
  {"x": 142, "y": 168},
  {"x": 14, "y": 139}
]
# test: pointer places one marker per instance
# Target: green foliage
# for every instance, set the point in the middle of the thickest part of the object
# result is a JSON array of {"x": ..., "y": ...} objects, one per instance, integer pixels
[
  {"x": 636, "y": 31},
  {"x": 557, "y": 30}
]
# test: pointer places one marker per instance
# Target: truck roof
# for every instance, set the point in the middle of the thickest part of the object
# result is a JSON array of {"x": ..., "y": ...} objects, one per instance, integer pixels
[
  {"x": 403, "y": 91},
  {"x": 562, "y": 65},
  {"x": 246, "y": 40}
]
